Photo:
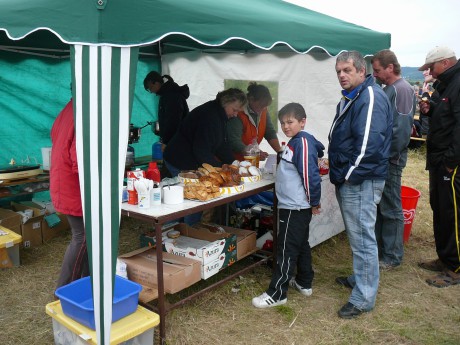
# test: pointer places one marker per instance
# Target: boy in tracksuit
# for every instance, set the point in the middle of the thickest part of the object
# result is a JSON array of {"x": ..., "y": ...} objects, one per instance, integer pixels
[{"x": 298, "y": 189}]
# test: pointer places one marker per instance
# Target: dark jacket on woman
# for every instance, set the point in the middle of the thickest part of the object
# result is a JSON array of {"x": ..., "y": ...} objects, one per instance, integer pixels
[
  {"x": 172, "y": 108},
  {"x": 202, "y": 138}
]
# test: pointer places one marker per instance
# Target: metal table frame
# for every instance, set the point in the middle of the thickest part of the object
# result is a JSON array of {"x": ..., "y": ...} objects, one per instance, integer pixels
[{"x": 159, "y": 215}]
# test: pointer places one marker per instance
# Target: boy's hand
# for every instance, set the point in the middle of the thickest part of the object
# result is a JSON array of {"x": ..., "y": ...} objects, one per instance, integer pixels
[{"x": 316, "y": 210}]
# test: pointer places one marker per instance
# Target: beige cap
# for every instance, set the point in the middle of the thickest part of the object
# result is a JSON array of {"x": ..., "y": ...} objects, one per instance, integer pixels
[{"x": 437, "y": 54}]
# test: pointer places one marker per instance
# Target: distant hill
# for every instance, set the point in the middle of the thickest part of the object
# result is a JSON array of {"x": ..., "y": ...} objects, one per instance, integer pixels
[{"x": 411, "y": 74}]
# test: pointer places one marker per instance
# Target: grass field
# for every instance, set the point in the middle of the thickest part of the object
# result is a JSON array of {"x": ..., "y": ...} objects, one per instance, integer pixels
[{"x": 408, "y": 311}]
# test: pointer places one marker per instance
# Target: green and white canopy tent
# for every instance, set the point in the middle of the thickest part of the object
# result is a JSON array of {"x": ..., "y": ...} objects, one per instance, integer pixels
[{"x": 105, "y": 38}]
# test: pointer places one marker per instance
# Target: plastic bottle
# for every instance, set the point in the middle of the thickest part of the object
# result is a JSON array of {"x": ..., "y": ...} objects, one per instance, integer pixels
[
  {"x": 153, "y": 173},
  {"x": 157, "y": 153},
  {"x": 252, "y": 153}
]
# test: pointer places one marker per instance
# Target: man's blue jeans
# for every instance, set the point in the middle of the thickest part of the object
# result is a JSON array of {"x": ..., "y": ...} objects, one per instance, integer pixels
[
  {"x": 358, "y": 204},
  {"x": 389, "y": 228}
]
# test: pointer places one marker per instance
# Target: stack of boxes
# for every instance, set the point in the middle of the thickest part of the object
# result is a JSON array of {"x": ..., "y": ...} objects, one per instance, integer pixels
[
  {"x": 196, "y": 254},
  {"x": 29, "y": 220}
]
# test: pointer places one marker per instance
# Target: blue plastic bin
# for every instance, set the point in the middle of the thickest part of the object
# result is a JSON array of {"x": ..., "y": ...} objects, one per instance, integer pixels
[{"x": 77, "y": 300}]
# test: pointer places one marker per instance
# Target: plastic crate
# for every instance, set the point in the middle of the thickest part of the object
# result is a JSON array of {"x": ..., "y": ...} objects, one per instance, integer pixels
[
  {"x": 136, "y": 328},
  {"x": 9, "y": 248},
  {"x": 77, "y": 300}
]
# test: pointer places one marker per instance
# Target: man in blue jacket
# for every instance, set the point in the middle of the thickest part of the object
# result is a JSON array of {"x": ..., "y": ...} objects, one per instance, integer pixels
[{"x": 359, "y": 148}]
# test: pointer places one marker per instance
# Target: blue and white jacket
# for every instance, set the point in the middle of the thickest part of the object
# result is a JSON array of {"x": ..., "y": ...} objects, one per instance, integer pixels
[
  {"x": 360, "y": 136},
  {"x": 298, "y": 183}
]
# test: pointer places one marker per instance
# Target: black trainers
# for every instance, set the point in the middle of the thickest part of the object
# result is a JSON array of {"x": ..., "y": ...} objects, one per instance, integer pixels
[
  {"x": 344, "y": 282},
  {"x": 349, "y": 311}
]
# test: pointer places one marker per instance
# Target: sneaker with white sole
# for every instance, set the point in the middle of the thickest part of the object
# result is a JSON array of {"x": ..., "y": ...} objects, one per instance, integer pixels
[
  {"x": 303, "y": 291},
  {"x": 265, "y": 301}
]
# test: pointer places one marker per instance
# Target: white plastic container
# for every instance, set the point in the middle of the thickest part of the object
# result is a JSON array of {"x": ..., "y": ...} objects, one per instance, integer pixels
[
  {"x": 136, "y": 328},
  {"x": 46, "y": 158},
  {"x": 9, "y": 244},
  {"x": 173, "y": 195}
]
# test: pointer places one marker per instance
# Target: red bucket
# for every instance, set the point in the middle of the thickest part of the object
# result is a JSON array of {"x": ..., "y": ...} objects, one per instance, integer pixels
[{"x": 409, "y": 199}]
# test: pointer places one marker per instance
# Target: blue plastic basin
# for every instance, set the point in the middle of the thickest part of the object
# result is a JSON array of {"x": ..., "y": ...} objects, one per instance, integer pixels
[{"x": 77, "y": 300}]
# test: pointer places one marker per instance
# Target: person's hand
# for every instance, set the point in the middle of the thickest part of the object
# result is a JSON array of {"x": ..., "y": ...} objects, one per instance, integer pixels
[
  {"x": 263, "y": 155},
  {"x": 449, "y": 170},
  {"x": 315, "y": 210},
  {"x": 424, "y": 106}
]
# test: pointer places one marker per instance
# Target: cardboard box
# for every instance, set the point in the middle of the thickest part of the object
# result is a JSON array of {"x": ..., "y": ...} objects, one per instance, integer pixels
[
  {"x": 11, "y": 220},
  {"x": 51, "y": 232},
  {"x": 45, "y": 203},
  {"x": 200, "y": 244},
  {"x": 246, "y": 241},
  {"x": 31, "y": 230},
  {"x": 178, "y": 272},
  {"x": 218, "y": 244},
  {"x": 39, "y": 210},
  {"x": 9, "y": 248},
  {"x": 213, "y": 267}
]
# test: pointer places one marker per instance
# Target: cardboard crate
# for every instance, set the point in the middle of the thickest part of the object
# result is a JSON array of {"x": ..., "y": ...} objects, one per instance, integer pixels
[
  {"x": 9, "y": 248},
  {"x": 50, "y": 232},
  {"x": 218, "y": 244},
  {"x": 246, "y": 241},
  {"x": 39, "y": 210},
  {"x": 224, "y": 260},
  {"x": 45, "y": 203},
  {"x": 178, "y": 272},
  {"x": 197, "y": 244},
  {"x": 31, "y": 230},
  {"x": 200, "y": 244},
  {"x": 10, "y": 220}
]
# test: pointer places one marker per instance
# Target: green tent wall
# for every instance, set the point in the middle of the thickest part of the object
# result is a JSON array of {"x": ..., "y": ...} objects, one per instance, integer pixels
[{"x": 34, "y": 90}]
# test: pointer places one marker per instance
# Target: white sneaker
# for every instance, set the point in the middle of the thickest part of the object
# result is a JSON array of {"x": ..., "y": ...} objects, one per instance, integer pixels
[
  {"x": 265, "y": 301},
  {"x": 305, "y": 292}
]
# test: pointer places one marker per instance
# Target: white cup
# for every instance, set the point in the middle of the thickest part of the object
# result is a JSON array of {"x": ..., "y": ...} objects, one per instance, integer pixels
[{"x": 173, "y": 195}]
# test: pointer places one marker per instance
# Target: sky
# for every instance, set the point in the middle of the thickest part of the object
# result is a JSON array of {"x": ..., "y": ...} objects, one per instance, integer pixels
[{"x": 416, "y": 26}]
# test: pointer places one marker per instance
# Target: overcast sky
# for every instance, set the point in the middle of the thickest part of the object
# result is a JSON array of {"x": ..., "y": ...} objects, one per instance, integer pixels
[{"x": 416, "y": 26}]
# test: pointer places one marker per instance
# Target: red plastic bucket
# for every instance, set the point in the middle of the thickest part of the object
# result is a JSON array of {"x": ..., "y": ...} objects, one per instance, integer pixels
[{"x": 409, "y": 199}]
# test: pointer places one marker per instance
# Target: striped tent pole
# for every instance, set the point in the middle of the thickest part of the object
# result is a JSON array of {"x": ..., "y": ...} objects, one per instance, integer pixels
[{"x": 103, "y": 80}]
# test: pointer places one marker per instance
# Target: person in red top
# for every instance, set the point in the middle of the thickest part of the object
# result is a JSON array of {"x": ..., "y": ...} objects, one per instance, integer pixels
[
  {"x": 65, "y": 195},
  {"x": 253, "y": 123}
]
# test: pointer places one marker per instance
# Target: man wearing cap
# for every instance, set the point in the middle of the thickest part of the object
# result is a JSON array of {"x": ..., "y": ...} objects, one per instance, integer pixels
[
  {"x": 443, "y": 159},
  {"x": 389, "y": 227}
]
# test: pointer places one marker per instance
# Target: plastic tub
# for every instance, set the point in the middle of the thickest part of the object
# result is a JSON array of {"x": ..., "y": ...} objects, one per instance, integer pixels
[
  {"x": 77, "y": 300},
  {"x": 136, "y": 328}
]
